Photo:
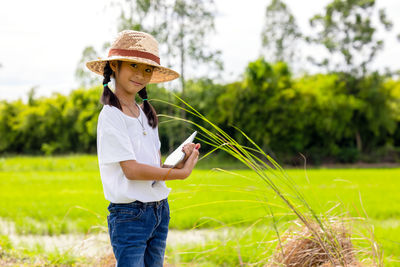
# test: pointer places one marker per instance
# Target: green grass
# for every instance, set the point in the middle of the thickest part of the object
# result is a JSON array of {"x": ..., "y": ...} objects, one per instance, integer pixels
[{"x": 54, "y": 195}]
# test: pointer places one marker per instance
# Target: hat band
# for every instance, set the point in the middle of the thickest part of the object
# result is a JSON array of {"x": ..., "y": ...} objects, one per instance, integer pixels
[{"x": 133, "y": 53}]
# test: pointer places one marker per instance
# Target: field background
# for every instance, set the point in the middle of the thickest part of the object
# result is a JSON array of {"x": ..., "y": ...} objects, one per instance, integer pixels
[{"x": 50, "y": 196}]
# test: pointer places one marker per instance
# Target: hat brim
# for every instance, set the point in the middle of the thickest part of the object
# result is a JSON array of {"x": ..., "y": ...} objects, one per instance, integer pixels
[{"x": 160, "y": 73}]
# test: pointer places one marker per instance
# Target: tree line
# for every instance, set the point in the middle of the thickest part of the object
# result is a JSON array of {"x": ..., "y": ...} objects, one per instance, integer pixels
[{"x": 318, "y": 116}]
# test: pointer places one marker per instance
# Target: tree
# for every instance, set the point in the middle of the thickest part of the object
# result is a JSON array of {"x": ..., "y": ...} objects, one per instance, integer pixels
[
  {"x": 189, "y": 24},
  {"x": 259, "y": 106},
  {"x": 348, "y": 32},
  {"x": 280, "y": 33}
]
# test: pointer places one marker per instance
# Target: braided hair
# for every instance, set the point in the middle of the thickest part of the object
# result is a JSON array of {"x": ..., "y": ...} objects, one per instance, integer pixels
[
  {"x": 148, "y": 109},
  {"x": 109, "y": 98}
]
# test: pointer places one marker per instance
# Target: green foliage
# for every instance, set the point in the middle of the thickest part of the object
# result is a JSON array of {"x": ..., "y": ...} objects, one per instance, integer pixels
[
  {"x": 326, "y": 117},
  {"x": 317, "y": 115},
  {"x": 57, "y": 124}
]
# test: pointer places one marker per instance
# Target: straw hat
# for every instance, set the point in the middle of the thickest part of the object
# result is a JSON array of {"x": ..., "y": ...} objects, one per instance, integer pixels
[{"x": 139, "y": 47}]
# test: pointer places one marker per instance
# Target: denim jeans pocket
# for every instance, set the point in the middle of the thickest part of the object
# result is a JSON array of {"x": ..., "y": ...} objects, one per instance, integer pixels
[{"x": 128, "y": 214}]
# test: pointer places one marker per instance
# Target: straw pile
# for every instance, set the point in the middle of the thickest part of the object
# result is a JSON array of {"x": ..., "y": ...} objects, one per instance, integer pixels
[{"x": 312, "y": 246}]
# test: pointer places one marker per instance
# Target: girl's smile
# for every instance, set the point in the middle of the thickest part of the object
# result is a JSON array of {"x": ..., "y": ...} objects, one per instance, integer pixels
[{"x": 136, "y": 83}]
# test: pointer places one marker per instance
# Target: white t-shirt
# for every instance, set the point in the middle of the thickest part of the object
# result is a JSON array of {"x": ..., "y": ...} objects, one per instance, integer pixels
[{"x": 120, "y": 137}]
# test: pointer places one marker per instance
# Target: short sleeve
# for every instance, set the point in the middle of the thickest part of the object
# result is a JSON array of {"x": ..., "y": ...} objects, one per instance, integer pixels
[{"x": 113, "y": 142}]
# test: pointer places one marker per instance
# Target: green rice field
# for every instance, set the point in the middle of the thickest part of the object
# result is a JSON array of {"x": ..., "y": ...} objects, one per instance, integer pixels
[{"x": 63, "y": 195}]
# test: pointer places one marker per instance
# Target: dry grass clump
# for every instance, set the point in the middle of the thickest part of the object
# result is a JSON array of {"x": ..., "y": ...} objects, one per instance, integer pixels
[
  {"x": 312, "y": 246},
  {"x": 107, "y": 260}
]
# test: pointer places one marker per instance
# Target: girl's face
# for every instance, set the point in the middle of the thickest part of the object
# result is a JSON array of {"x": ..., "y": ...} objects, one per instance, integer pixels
[{"x": 130, "y": 76}]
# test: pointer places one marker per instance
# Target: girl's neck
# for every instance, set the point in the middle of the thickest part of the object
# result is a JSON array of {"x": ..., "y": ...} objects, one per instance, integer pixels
[{"x": 125, "y": 98}]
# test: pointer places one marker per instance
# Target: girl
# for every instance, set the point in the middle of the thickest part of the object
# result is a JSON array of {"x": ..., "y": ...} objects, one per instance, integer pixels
[{"x": 128, "y": 149}]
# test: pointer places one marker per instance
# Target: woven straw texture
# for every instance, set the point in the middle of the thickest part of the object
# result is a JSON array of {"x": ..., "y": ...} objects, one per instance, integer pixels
[{"x": 129, "y": 40}]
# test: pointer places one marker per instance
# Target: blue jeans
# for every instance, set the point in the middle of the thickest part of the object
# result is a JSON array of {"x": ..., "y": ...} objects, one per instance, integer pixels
[{"x": 138, "y": 232}]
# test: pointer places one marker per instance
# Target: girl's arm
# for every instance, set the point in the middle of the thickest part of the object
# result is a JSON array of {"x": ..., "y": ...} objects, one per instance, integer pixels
[{"x": 134, "y": 170}]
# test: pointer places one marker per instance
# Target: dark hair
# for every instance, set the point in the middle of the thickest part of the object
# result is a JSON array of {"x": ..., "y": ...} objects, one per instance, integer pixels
[{"x": 109, "y": 98}]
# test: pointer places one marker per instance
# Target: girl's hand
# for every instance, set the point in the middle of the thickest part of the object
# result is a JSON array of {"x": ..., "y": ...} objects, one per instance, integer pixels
[
  {"x": 187, "y": 149},
  {"x": 192, "y": 160}
]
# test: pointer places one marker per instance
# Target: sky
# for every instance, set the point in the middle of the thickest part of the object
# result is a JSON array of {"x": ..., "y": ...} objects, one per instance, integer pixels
[{"x": 42, "y": 40}]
